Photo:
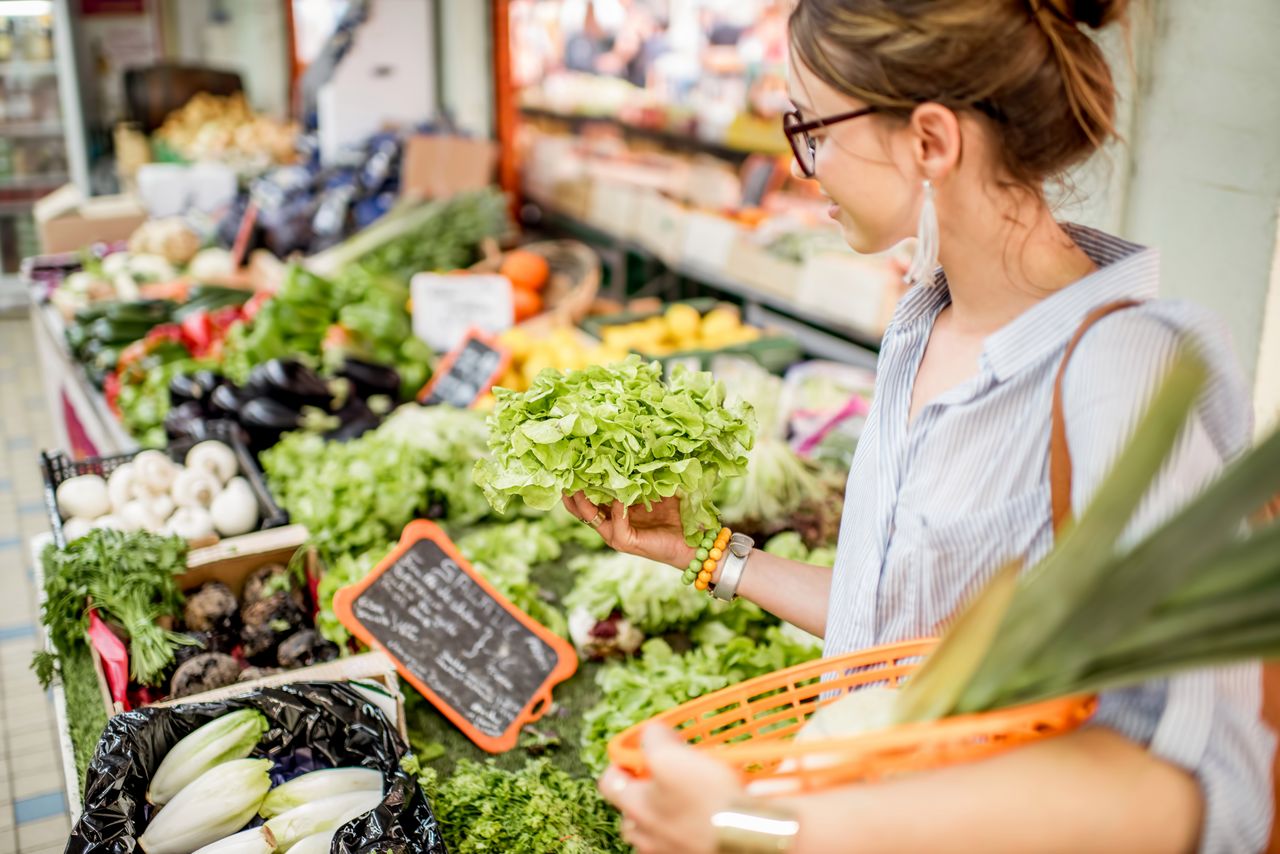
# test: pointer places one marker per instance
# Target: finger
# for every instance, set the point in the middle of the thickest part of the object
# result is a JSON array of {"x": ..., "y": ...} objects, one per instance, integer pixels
[
  {"x": 620, "y": 522},
  {"x": 614, "y": 784},
  {"x": 586, "y": 510},
  {"x": 572, "y": 506},
  {"x": 666, "y": 753},
  {"x": 644, "y": 843}
]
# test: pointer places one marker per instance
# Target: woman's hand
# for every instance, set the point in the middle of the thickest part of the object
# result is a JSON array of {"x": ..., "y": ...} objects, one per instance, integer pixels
[
  {"x": 656, "y": 534},
  {"x": 670, "y": 812}
]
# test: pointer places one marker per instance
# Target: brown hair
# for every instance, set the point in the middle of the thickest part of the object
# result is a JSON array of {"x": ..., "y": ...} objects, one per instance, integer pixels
[{"x": 1026, "y": 65}]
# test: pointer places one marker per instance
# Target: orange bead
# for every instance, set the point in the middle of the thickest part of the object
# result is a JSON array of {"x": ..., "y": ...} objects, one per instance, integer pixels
[
  {"x": 700, "y": 584},
  {"x": 704, "y": 575},
  {"x": 708, "y": 565},
  {"x": 724, "y": 534},
  {"x": 720, "y": 544},
  {"x": 715, "y": 554}
]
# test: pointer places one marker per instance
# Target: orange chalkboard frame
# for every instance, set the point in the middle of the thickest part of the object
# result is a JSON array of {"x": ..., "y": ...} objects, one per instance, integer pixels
[
  {"x": 344, "y": 601},
  {"x": 446, "y": 364}
]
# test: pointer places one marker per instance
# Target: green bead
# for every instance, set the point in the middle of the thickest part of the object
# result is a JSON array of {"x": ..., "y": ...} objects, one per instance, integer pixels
[
  {"x": 708, "y": 542},
  {"x": 702, "y": 554},
  {"x": 695, "y": 565},
  {"x": 689, "y": 576}
]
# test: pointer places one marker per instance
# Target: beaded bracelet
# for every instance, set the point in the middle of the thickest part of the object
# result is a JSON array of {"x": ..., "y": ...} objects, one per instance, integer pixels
[{"x": 706, "y": 558}]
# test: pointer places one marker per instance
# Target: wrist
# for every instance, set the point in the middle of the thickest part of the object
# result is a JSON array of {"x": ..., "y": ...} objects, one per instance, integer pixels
[{"x": 683, "y": 556}]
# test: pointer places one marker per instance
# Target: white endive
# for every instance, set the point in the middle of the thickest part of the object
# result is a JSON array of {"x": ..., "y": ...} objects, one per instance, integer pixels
[
  {"x": 232, "y": 736},
  {"x": 255, "y": 840},
  {"x": 317, "y": 843},
  {"x": 317, "y": 785},
  {"x": 216, "y": 804},
  {"x": 320, "y": 816}
]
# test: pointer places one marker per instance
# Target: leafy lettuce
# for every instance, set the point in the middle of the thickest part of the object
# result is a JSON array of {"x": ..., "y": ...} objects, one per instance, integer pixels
[{"x": 617, "y": 432}]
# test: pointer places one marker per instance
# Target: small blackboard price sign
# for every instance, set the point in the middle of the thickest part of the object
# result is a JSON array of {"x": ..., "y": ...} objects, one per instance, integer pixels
[
  {"x": 485, "y": 664},
  {"x": 467, "y": 372}
]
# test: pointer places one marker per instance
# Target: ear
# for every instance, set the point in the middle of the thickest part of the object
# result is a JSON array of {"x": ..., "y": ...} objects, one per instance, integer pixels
[{"x": 935, "y": 140}]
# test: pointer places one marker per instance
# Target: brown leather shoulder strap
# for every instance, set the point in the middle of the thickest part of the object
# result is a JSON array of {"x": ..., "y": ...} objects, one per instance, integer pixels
[{"x": 1059, "y": 452}]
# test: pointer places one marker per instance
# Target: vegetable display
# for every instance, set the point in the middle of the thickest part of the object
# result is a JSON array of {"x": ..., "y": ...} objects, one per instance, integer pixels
[
  {"x": 616, "y": 433},
  {"x": 199, "y": 501},
  {"x": 210, "y": 788},
  {"x": 619, "y": 599},
  {"x": 538, "y": 809},
  {"x": 354, "y": 495},
  {"x": 783, "y": 492}
]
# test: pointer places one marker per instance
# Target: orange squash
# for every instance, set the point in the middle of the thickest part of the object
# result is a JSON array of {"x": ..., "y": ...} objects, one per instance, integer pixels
[
  {"x": 528, "y": 271},
  {"x": 527, "y": 303}
]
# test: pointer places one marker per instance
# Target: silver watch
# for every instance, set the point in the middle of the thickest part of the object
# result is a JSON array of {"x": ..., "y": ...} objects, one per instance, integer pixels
[
  {"x": 725, "y": 585},
  {"x": 753, "y": 826}
]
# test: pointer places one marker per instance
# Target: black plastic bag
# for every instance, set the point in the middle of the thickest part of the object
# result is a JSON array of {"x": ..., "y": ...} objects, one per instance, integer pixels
[{"x": 313, "y": 725}]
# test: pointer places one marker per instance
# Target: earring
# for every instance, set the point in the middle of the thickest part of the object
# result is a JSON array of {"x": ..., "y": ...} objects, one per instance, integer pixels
[{"x": 925, "y": 259}]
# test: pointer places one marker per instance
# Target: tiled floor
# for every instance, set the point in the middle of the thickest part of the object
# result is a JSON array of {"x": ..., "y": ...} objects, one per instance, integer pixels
[{"x": 33, "y": 809}]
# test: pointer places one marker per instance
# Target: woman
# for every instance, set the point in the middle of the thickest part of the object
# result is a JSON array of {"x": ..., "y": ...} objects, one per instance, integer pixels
[{"x": 945, "y": 118}]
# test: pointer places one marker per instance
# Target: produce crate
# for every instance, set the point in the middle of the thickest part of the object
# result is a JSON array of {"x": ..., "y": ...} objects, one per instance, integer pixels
[
  {"x": 774, "y": 352},
  {"x": 57, "y": 467},
  {"x": 232, "y": 561}
]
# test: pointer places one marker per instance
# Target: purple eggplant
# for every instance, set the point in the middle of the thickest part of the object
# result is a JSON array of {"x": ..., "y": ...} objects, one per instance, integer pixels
[
  {"x": 185, "y": 419},
  {"x": 266, "y": 420},
  {"x": 370, "y": 379},
  {"x": 226, "y": 401},
  {"x": 289, "y": 382},
  {"x": 355, "y": 419}
]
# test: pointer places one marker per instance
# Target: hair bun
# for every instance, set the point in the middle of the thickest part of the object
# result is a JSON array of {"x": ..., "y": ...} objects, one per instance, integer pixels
[{"x": 1094, "y": 14}]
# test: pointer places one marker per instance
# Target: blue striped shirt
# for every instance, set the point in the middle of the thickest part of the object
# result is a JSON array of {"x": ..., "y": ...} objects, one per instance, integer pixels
[{"x": 934, "y": 507}]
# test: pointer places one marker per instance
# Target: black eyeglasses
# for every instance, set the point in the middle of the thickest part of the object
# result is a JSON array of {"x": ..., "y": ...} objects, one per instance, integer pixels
[{"x": 802, "y": 145}]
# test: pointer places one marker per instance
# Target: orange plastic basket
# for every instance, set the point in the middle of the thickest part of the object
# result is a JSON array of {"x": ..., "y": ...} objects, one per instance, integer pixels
[{"x": 749, "y": 726}]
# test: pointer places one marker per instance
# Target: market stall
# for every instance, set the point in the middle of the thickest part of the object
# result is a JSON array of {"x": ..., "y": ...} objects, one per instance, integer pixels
[{"x": 311, "y": 583}]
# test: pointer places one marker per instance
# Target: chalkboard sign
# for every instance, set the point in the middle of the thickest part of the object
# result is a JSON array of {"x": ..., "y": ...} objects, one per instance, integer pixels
[
  {"x": 468, "y": 372},
  {"x": 486, "y": 665}
]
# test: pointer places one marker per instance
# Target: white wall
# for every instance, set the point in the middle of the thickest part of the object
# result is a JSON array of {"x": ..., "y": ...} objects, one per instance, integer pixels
[
  {"x": 386, "y": 79},
  {"x": 251, "y": 40},
  {"x": 1267, "y": 388},
  {"x": 1204, "y": 184},
  {"x": 466, "y": 64}
]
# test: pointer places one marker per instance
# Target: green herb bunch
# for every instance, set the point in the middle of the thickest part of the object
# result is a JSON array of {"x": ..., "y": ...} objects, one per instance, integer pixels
[{"x": 131, "y": 581}]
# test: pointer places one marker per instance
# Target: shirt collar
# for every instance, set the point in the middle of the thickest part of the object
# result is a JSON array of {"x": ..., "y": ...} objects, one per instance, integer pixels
[{"x": 1125, "y": 271}]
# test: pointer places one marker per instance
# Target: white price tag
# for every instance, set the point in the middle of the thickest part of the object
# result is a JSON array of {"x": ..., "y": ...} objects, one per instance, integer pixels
[{"x": 445, "y": 307}]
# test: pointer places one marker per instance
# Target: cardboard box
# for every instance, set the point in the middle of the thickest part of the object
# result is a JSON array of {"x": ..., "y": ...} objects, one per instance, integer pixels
[
  {"x": 436, "y": 167},
  {"x": 709, "y": 240},
  {"x": 68, "y": 222},
  {"x": 614, "y": 207},
  {"x": 232, "y": 561},
  {"x": 761, "y": 270},
  {"x": 856, "y": 290},
  {"x": 660, "y": 226}
]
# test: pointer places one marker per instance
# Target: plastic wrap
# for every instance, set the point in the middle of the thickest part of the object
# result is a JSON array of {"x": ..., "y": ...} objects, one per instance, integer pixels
[{"x": 312, "y": 725}]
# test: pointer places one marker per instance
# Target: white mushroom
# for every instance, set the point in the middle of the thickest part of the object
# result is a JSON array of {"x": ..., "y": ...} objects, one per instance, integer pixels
[
  {"x": 215, "y": 457},
  {"x": 195, "y": 487},
  {"x": 160, "y": 506},
  {"x": 120, "y": 487},
  {"x": 137, "y": 516},
  {"x": 84, "y": 496},
  {"x": 190, "y": 523},
  {"x": 75, "y": 528},
  {"x": 110, "y": 522},
  {"x": 235, "y": 510},
  {"x": 154, "y": 470}
]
